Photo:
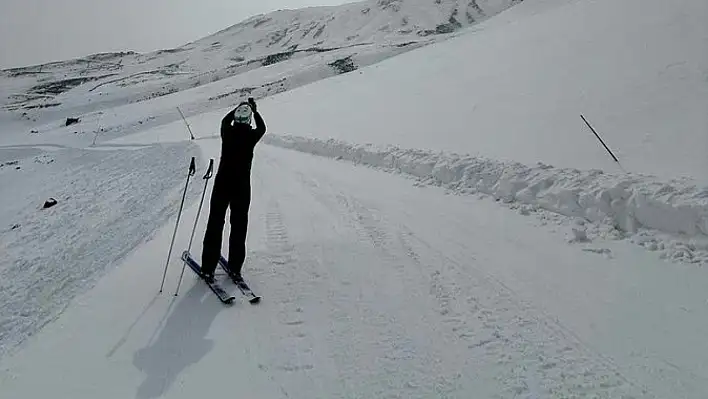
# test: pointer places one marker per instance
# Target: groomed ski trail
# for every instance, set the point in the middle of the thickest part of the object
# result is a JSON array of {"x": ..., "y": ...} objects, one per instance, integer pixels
[{"x": 375, "y": 288}]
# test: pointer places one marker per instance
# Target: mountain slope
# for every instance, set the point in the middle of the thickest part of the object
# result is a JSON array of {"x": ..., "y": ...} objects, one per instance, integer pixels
[
  {"x": 365, "y": 22},
  {"x": 331, "y": 39},
  {"x": 515, "y": 87}
]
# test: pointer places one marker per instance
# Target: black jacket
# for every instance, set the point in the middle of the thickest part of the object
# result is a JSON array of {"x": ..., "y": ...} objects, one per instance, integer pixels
[{"x": 237, "y": 144}]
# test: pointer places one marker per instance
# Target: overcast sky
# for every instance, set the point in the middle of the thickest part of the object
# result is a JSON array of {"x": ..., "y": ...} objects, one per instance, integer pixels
[{"x": 39, "y": 31}]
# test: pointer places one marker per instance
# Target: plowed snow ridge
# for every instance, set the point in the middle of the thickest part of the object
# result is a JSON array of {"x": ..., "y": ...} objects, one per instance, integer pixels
[{"x": 638, "y": 206}]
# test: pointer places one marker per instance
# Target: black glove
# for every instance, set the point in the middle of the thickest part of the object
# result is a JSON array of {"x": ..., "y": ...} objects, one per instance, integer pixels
[{"x": 252, "y": 103}]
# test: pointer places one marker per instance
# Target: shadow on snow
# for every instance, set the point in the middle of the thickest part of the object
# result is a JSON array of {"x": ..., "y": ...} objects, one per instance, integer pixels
[{"x": 181, "y": 342}]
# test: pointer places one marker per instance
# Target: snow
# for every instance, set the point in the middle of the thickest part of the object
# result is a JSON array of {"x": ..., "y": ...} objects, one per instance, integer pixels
[
  {"x": 369, "y": 291},
  {"x": 104, "y": 209},
  {"x": 513, "y": 89},
  {"x": 477, "y": 244},
  {"x": 606, "y": 205},
  {"x": 307, "y": 41}
]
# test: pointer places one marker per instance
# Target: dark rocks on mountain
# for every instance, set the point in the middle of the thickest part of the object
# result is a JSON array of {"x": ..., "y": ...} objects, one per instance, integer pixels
[
  {"x": 239, "y": 92},
  {"x": 49, "y": 203},
  {"x": 453, "y": 19},
  {"x": 10, "y": 163},
  {"x": 444, "y": 28},
  {"x": 441, "y": 29},
  {"x": 406, "y": 44},
  {"x": 71, "y": 121},
  {"x": 343, "y": 65},
  {"x": 277, "y": 36},
  {"x": 110, "y": 55},
  {"x": 394, "y": 5},
  {"x": 43, "y": 159},
  {"x": 470, "y": 18},
  {"x": 45, "y": 105},
  {"x": 60, "y": 86},
  {"x": 309, "y": 29},
  {"x": 319, "y": 32},
  {"x": 244, "y": 48},
  {"x": 277, "y": 57},
  {"x": 473, "y": 4},
  {"x": 171, "y": 51}
]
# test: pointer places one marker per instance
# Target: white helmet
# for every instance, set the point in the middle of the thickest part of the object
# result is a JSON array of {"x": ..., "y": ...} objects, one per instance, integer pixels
[{"x": 243, "y": 113}]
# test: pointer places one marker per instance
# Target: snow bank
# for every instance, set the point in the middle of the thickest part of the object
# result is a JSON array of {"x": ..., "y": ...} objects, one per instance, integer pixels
[{"x": 629, "y": 203}]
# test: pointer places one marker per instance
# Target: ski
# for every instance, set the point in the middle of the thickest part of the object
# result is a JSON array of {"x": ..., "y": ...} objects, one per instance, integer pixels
[
  {"x": 245, "y": 289},
  {"x": 224, "y": 296}
]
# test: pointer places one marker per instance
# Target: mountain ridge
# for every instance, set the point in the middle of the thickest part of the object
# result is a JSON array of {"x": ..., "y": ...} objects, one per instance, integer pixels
[{"x": 310, "y": 44}]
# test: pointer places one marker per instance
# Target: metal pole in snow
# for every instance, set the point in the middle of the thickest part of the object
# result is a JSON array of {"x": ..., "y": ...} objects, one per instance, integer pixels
[
  {"x": 602, "y": 142},
  {"x": 192, "y": 170},
  {"x": 206, "y": 177}
]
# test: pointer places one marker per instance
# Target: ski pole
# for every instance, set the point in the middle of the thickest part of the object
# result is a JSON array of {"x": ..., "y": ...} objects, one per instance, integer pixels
[
  {"x": 192, "y": 170},
  {"x": 206, "y": 177}
]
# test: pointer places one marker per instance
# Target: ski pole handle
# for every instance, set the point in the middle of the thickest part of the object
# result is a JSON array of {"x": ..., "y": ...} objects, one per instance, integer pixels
[
  {"x": 210, "y": 169},
  {"x": 192, "y": 168}
]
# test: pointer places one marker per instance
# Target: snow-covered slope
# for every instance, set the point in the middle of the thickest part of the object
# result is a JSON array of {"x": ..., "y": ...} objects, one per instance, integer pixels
[
  {"x": 331, "y": 40},
  {"x": 515, "y": 87},
  {"x": 373, "y": 21},
  {"x": 498, "y": 111}
]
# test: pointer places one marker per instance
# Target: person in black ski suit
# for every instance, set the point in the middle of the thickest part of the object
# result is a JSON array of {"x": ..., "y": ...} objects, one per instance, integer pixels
[{"x": 232, "y": 188}]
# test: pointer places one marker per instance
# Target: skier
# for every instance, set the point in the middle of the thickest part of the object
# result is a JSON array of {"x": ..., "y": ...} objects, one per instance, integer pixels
[{"x": 232, "y": 188}]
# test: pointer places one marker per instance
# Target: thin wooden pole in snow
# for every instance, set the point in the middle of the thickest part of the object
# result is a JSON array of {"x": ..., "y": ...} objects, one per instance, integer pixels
[{"x": 185, "y": 122}]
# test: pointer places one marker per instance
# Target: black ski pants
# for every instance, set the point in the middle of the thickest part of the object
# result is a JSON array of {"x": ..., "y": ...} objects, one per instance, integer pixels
[{"x": 236, "y": 195}]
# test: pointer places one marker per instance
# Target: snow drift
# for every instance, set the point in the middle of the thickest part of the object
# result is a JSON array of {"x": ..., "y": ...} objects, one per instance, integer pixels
[{"x": 628, "y": 203}]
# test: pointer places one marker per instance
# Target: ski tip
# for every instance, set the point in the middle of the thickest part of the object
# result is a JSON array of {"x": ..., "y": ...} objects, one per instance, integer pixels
[{"x": 255, "y": 300}]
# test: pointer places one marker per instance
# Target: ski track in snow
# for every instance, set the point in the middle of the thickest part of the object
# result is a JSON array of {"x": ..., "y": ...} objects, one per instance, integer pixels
[{"x": 440, "y": 328}]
